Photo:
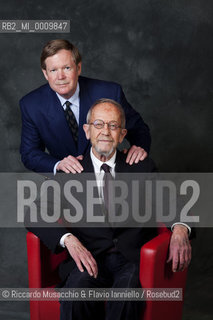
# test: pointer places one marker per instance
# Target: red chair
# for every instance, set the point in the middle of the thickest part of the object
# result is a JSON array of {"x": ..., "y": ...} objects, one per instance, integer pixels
[{"x": 154, "y": 273}]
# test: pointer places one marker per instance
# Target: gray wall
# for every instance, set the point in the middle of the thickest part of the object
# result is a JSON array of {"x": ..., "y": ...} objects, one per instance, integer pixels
[{"x": 161, "y": 53}]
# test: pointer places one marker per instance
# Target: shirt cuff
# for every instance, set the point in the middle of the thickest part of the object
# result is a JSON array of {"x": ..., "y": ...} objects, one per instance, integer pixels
[
  {"x": 63, "y": 238},
  {"x": 55, "y": 166},
  {"x": 184, "y": 224}
]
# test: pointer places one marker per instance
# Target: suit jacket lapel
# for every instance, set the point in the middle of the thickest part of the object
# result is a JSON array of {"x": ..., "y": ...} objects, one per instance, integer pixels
[
  {"x": 120, "y": 161},
  {"x": 87, "y": 164},
  {"x": 85, "y": 104}
]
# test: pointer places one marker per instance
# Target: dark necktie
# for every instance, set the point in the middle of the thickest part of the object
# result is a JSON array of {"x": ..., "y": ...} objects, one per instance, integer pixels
[
  {"x": 107, "y": 178},
  {"x": 71, "y": 120}
]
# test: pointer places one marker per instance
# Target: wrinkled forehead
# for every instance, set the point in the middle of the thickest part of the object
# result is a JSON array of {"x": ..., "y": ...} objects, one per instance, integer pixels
[{"x": 106, "y": 112}]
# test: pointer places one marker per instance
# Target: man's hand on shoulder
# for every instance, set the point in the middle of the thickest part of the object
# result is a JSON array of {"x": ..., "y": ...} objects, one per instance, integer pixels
[
  {"x": 135, "y": 154},
  {"x": 70, "y": 164},
  {"x": 180, "y": 248},
  {"x": 81, "y": 255}
]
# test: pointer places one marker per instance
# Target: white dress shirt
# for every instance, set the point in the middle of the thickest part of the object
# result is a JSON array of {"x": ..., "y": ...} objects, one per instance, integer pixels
[
  {"x": 99, "y": 173},
  {"x": 74, "y": 100}
]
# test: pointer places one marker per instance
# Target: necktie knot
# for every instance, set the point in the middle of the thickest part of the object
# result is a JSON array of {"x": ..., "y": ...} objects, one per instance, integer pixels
[
  {"x": 106, "y": 168},
  {"x": 68, "y": 104}
]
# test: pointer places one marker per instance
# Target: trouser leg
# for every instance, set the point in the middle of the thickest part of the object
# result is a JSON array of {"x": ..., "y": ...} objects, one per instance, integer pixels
[
  {"x": 79, "y": 310},
  {"x": 125, "y": 275},
  {"x": 114, "y": 272}
]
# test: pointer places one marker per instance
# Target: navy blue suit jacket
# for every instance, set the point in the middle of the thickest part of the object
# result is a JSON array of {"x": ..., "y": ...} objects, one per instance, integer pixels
[{"x": 44, "y": 127}]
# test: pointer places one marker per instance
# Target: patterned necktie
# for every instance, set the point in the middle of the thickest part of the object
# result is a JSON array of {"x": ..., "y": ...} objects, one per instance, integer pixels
[
  {"x": 107, "y": 178},
  {"x": 71, "y": 120}
]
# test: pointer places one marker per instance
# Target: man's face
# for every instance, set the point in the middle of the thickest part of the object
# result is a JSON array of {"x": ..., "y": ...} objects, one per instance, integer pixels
[
  {"x": 104, "y": 141},
  {"x": 62, "y": 73}
]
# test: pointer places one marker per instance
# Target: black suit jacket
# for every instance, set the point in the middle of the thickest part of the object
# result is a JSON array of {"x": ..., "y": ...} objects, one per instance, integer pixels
[{"x": 99, "y": 239}]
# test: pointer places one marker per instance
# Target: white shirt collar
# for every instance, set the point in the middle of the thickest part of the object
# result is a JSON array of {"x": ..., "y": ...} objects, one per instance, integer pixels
[
  {"x": 75, "y": 100},
  {"x": 97, "y": 163}
]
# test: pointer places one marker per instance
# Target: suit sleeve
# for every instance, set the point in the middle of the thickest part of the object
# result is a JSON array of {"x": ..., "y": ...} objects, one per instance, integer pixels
[
  {"x": 138, "y": 131},
  {"x": 32, "y": 149},
  {"x": 50, "y": 236},
  {"x": 39, "y": 219}
]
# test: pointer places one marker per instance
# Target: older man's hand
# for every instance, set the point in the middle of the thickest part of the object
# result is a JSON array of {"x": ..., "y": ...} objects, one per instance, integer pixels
[
  {"x": 135, "y": 154},
  {"x": 180, "y": 248},
  {"x": 81, "y": 255}
]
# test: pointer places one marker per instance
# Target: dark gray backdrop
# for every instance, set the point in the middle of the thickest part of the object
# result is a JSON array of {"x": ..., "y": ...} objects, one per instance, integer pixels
[{"x": 161, "y": 53}]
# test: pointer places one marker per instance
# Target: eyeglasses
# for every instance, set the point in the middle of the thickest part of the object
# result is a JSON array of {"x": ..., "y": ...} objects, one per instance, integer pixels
[{"x": 99, "y": 124}]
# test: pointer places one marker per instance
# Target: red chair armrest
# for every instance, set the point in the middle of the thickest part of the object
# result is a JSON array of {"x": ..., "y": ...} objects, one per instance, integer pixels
[
  {"x": 34, "y": 260},
  {"x": 155, "y": 272},
  {"x": 153, "y": 260}
]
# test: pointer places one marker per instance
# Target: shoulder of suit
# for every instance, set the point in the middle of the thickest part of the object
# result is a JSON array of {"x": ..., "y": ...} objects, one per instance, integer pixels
[
  {"x": 37, "y": 93},
  {"x": 97, "y": 83},
  {"x": 147, "y": 165}
]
